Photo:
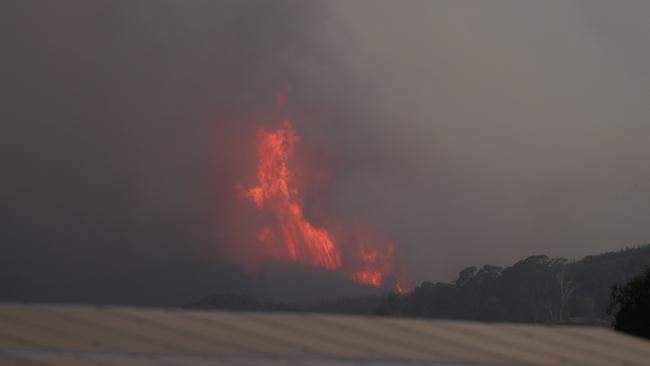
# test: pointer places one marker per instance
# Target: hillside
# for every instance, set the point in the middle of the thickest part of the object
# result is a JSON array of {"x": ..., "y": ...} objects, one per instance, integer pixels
[{"x": 537, "y": 289}]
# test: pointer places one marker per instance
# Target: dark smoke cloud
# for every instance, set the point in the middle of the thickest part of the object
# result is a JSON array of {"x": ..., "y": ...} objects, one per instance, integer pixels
[
  {"x": 467, "y": 134},
  {"x": 126, "y": 126}
]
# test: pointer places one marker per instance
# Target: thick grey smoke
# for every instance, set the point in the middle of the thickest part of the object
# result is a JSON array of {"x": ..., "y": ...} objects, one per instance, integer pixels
[
  {"x": 467, "y": 133},
  {"x": 521, "y": 127}
]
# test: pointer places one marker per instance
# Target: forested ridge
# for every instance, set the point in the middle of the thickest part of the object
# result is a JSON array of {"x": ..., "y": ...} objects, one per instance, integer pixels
[{"x": 537, "y": 289}]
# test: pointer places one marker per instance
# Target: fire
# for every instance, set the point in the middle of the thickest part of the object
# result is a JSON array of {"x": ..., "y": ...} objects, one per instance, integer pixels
[
  {"x": 375, "y": 265},
  {"x": 291, "y": 236},
  {"x": 301, "y": 240}
]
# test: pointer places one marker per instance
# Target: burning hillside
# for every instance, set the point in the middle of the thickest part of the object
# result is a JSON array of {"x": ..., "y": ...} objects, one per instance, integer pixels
[
  {"x": 294, "y": 237},
  {"x": 288, "y": 234}
]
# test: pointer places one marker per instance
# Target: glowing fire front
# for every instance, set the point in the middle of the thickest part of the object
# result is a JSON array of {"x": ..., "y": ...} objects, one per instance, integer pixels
[
  {"x": 375, "y": 265},
  {"x": 292, "y": 236},
  {"x": 301, "y": 241}
]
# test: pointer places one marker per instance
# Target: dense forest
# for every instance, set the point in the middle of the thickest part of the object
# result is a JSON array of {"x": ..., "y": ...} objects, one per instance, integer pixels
[{"x": 537, "y": 289}]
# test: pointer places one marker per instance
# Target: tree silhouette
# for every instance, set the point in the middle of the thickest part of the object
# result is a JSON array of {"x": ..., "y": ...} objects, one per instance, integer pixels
[{"x": 630, "y": 306}]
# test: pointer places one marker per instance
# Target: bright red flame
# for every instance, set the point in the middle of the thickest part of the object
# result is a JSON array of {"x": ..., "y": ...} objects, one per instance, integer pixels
[
  {"x": 375, "y": 265},
  {"x": 292, "y": 236},
  {"x": 300, "y": 240}
]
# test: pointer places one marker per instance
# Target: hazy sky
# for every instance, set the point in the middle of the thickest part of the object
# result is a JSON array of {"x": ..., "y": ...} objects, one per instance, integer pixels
[{"x": 466, "y": 132}]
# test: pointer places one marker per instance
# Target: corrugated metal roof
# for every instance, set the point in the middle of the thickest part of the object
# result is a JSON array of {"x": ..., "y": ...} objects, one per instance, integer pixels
[{"x": 83, "y": 335}]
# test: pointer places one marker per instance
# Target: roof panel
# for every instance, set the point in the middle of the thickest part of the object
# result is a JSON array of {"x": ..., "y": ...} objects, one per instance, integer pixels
[
  {"x": 565, "y": 343},
  {"x": 504, "y": 341},
  {"x": 90, "y": 336}
]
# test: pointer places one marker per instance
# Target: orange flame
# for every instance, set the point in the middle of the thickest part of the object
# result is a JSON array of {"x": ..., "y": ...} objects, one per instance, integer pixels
[
  {"x": 294, "y": 237},
  {"x": 302, "y": 241},
  {"x": 375, "y": 265}
]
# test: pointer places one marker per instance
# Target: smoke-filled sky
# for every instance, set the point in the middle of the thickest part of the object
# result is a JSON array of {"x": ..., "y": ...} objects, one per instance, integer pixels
[{"x": 465, "y": 132}]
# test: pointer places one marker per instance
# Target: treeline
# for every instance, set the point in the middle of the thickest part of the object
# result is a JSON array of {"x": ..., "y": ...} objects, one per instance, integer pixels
[{"x": 537, "y": 289}]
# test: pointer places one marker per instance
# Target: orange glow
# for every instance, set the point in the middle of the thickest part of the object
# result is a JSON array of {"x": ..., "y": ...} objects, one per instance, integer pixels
[
  {"x": 300, "y": 240},
  {"x": 399, "y": 288},
  {"x": 375, "y": 265},
  {"x": 289, "y": 235}
]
